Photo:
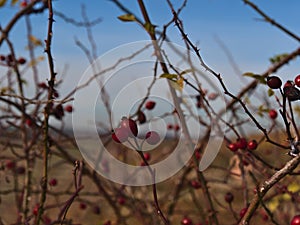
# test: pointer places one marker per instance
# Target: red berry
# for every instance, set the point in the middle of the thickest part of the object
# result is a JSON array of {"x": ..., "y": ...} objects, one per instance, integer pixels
[
  {"x": 21, "y": 60},
  {"x": 20, "y": 170},
  {"x": 120, "y": 135},
  {"x": 10, "y": 164},
  {"x": 141, "y": 117},
  {"x": 297, "y": 80},
  {"x": 129, "y": 125},
  {"x": 195, "y": 184},
  {"x": 36, "y": 209},
  {"x": 186, "y": 221},
  {"x": 242, "y": 143},
  {"x": 233, "y": 147},
  {"x": 176, "y": 127},
  {"x": 150, "y": 105},
  {"x": 252, "y": 145},
  {"x": 2, "y": 58},
  {"x": 228, "y": 197},
  {"x": 274, "y": 82},
  {"x": 69, "y": 108},
  {"x": 82, "y": 205},
  {"x": 243, "y": 212},
  {"x": 296, "y": 220},
  {"x": 107, "y": 223},
  {"x": 273, "y": 114},
  {"x": 23, "y": 4},
  {"x": 289, "y": 83},
  {"x": 121, "y": 200},
  {"x": 53, "y": 182},
  {"x": 29, "y": 122},
  {"x": 147, "y": 156},
  {"x": 170, "y": 126},
  {"x": 42, "y": 85},
  {"x": 152, "y": 137}
]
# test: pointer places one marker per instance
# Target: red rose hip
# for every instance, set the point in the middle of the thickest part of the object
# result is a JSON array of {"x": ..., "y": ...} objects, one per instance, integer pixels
[
  {"x": 274, "y": 82},
  {"x": 273, "y": 114},
  {"x": 297, "y": 80},
  {"x": 252, "y": 145},
  {"x": 129, "y": 125},
  {"x": 152, "y": 137},
  {"x": 120, "y": 135},
  {"x": 296, "y": 220},
  {"x": 150, "y": 105}
]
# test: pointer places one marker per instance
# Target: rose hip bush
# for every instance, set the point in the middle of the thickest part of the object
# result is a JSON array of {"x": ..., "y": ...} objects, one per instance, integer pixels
[{"x": 45, "y": 180}]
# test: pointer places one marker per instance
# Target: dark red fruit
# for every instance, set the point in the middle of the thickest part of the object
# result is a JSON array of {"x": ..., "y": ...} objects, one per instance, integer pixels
[
  {"x": 107, "y": 223},
  {"x": 121, "y": 200},
  {"x": 20, "y": 170},
  {"x": 242, "y": 143},
  {"x": 69, "y": 108},
  {"x": 35, "y": 210},
  {"x": 152, "y": 137},
  {"x": 53, "y": 182},
  {"x": 273, "y": 114},
  {"x": 195, "y": 184},
  {"x": 29, "y": 122},
  {"x": 292, "y": 93},
  {"x": 274, "y": 82},
  {"x": 297, "y": 80},
  {"x": 147, "y": 156},
  {"x": 129, "y": 125},
  {"x": 150, "y": 105},
  {"x": 228, "y": 197},
  {"x": 296, "y": 220},
  {"x": 9, "y": 164},
  {"x": 141, "y": 117},
  {"x": 120, "y": 135},
  {"x": 233, "y": 147},
  {"x": 59, "y": 112},
  {"x": 176, "y": 127},
  {"x": 43, "y": 85},
  {"x": 289, "y": 83},
  {"x": 82, "y": 206},
  {"x": 170, "y": 126},
  {"x": 186, "y": 221},
  {"x": 21, "y": 60},
  {"x": 243, "y": 212},
  {"x": 2, "y": 58},
  {"x": 23, "y": 4},
  {"x": 252, "y": 145}
]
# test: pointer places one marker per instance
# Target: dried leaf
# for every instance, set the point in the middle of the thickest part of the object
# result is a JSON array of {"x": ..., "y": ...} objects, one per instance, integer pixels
[
  {"x": 2, "y": 2},
  {"x": 169, "y": 76},
  {"x": 127, "y": 18},
  {"x": 13, "y": 2},
  {"x": 259, "y": 78}
]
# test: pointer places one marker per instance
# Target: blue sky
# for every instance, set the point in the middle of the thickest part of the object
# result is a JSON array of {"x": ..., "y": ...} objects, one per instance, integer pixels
[{"x": 250, "y": 41}]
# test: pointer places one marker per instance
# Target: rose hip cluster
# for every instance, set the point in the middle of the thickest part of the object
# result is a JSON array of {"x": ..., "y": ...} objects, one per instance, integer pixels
[
  {"x": 128, "y": 129},
  {"x": 9, "y": 60},
  {"x": 290, "y": 89},
  {"x": 242, "y": 144}
]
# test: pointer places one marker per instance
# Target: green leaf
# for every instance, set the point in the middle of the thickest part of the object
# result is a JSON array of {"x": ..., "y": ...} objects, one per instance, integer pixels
[
  {"x": 270, "y": 92},
  {"x": 172, "y": 77},
  {"x": 127, "y": 18},
  {"x": 2, "y": 2},
  {"x": 259, "y": 78}
]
